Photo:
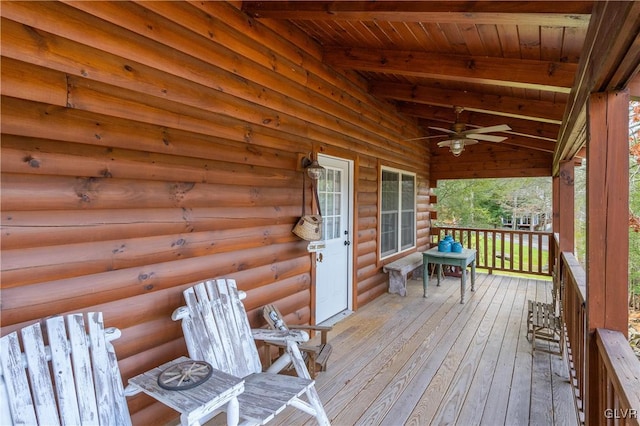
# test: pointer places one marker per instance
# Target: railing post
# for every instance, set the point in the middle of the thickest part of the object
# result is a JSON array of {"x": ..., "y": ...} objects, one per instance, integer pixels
[{"x": 607, "y": 229}]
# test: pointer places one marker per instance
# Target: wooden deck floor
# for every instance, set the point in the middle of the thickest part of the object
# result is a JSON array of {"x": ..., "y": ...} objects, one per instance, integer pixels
[{"x": 415, "y": 361}]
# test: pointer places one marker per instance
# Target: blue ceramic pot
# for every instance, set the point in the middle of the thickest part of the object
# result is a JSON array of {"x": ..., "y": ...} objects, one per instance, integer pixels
[
  {"x": 456, "y": 247},
  {"x": 444, "y": 246}
]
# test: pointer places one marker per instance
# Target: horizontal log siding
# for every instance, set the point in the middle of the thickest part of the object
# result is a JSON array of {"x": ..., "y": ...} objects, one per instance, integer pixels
[{"x": 149, "y": 145}]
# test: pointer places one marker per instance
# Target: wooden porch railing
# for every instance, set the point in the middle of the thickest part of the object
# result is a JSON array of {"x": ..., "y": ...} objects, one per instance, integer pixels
[
  {"x": 618, "y": 380},
  {"x": 526, "y": 252},
  {"x": 615, "y": 380},
  {"x": 574, "y": 314}
]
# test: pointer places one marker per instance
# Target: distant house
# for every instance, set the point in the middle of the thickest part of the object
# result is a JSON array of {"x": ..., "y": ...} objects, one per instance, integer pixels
[{"x": 528, "y": 222}]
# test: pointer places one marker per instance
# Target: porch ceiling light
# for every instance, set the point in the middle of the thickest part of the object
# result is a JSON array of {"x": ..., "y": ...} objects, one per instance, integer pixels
[{"x": 456, "y": 147}]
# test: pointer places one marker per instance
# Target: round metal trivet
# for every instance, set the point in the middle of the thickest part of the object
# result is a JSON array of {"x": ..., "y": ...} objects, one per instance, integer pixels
[{"x": 185, "y": 375}]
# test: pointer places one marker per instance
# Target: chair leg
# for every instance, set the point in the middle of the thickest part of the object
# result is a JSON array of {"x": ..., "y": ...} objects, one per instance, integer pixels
[
  {"x": 314, "y": 400},
  {"x": 533, "y": 340},
  {"x": 312, "y": 394}
]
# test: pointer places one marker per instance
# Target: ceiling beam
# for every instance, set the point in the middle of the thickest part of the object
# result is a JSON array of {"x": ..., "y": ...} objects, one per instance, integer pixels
[
  {"x": 602, "y": 67},
  {"x": 624, "y": 60},
  {"x": 522, "y": 73},
  {"x": 491, "y": 104},
  {"x": 560, "y": 13}
]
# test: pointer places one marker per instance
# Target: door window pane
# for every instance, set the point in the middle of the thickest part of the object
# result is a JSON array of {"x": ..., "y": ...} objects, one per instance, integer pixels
[{"x": 331, "y": 198}]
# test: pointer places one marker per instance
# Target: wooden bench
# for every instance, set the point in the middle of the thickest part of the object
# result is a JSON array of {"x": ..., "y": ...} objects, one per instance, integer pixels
[{"x": 399, "y": 269}]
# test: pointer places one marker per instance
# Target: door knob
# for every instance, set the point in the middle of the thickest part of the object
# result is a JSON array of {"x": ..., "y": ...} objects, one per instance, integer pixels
[{"x": 346, "y": 243}]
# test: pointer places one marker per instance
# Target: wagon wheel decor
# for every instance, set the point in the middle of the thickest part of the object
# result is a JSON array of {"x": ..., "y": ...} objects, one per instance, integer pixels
[{"x": 185, "y": 375}]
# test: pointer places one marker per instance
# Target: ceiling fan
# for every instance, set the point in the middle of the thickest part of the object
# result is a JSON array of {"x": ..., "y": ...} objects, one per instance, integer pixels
[{"x": 459, "y": 137}]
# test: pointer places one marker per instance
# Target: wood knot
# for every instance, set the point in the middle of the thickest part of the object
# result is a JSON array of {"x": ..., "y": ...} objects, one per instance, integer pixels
[
  {"x": 144, "y": 277},
  {"x": 566, "y": 178},
  {"x": 32, "y": 162},
  {"x": 180, "y": 189},
  {"x": 248, "y": 135}
]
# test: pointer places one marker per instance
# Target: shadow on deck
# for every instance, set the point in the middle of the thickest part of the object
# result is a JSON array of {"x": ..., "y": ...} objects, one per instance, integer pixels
[{"x": 410, "y": 360}]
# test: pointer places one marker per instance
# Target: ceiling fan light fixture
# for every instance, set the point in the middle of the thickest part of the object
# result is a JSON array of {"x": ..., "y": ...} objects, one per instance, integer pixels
[{"x": 456, "y": 147}]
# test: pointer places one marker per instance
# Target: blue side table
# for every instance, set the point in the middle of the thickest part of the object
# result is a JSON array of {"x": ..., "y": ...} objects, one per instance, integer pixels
[{"x": 462, "y": 260}]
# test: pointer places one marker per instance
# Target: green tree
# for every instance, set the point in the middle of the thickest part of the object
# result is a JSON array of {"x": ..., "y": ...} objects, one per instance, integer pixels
[
  {"x": 469, "y": 203},
  {"x": 482, "y": 203}
]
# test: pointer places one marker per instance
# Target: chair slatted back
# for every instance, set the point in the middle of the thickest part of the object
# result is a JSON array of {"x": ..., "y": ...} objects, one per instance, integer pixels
[
  {"x": 217, "y": 330},
  {"x": 64, "y": 375}
]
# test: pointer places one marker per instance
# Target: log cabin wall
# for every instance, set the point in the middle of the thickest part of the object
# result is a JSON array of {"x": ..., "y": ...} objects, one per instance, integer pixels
[{"x": 146, "y": 146}]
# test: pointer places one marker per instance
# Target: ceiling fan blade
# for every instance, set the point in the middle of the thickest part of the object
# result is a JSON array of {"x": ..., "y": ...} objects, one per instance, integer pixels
[
  {"x": 488, "y": 138},
  {"x": 491, "y": 129},
  {"x": 442, "y": 129},
  {"x": 426, "y": 137}
]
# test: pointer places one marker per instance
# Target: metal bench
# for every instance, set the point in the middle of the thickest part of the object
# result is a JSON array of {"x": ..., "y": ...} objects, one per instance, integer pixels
[{"x": 399, "y": 269}]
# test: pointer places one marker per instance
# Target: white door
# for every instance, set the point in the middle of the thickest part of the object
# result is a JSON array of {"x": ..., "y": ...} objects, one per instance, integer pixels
[{"x": 334, "y": 262}]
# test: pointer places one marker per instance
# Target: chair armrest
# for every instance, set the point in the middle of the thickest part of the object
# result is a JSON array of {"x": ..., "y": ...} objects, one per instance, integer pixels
[
  {"x": 323, "y": 329},
  {"x": 297, "y": 336},
  {"x": 310, "y": 327},
  {"x": 180, "y": 313},
  {"x": 131, "y": 390}
]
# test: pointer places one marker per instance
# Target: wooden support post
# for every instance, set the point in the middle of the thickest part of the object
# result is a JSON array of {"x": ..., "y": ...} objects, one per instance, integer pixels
[
  {"x": 607, "y": 229},
  {"x": 564, "y": 206},
  {"x": 563, "y": 212}
]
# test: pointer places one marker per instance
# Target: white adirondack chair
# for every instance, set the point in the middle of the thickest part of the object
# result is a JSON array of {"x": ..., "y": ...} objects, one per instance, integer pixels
[
  {"x": 217, "y": 330},
  {"x": 86, "y": 387},
  {"x": 315, "y": 355}
]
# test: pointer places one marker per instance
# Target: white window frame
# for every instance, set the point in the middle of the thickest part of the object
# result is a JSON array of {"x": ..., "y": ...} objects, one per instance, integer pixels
[{"x": 398, "y": 213}]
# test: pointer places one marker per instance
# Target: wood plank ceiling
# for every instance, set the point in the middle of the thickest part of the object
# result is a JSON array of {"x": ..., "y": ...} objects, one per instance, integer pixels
[{"x": 504, "y": 62}]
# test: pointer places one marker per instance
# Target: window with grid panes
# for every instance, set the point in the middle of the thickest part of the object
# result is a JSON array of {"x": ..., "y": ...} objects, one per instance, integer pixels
[{"x": 397, "y": 211}]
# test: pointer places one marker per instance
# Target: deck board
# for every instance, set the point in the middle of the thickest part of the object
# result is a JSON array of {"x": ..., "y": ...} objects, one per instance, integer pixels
[
  {"x": 520, "y": 393},
  {"x": 437, "y": 367},
  {"x": 486, "y": 367},
  {"x": 416, "y": 361},
  {"x": 498, "y": 393}
]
